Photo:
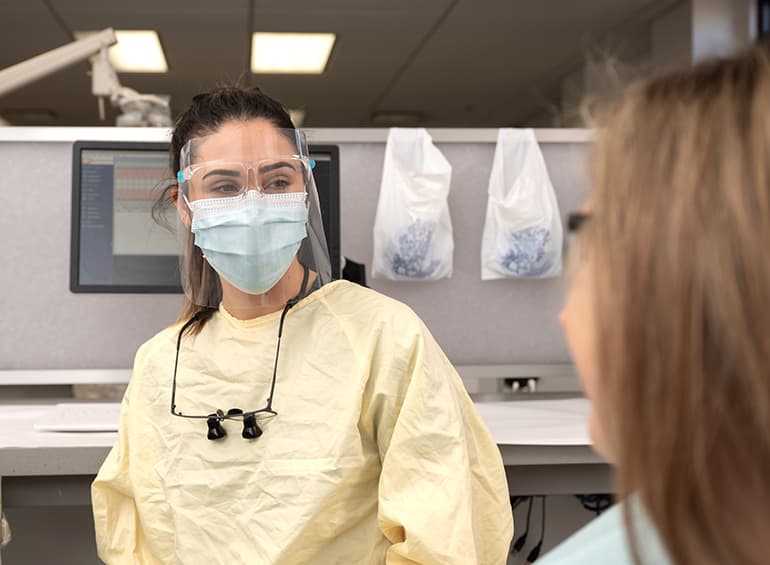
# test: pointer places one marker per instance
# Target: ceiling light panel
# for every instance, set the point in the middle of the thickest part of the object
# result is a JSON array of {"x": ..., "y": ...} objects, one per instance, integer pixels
[
  {"x": 137, "y": 51},
  {"x": 291, "y": 53}
]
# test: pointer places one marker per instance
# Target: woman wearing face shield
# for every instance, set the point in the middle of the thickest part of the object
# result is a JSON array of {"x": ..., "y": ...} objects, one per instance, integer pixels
[{"x": 287, "y": 418}]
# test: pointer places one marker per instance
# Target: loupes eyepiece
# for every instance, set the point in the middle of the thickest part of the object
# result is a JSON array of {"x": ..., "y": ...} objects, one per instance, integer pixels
[
  {"x": 216, "y": 431},
  {"x": 250, "y": 428}
]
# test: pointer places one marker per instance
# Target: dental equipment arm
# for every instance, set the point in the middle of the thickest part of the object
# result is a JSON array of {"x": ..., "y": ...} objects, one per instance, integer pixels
[{"x": 137, "y": 109}]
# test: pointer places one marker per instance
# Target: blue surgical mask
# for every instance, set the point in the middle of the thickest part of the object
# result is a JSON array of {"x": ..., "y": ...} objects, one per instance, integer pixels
[{"x": 250, "y": 240}]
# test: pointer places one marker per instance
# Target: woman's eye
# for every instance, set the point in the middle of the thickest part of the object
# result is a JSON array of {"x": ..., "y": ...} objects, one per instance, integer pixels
[
  {"x": 225, "y": 188},
  {"x": 277, "y": 184}
]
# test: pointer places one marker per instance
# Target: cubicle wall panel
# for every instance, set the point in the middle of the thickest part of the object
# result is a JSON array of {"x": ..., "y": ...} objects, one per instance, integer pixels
[
  {"x": 475, "y": 321},
  {"x": 45, "y": 326}
]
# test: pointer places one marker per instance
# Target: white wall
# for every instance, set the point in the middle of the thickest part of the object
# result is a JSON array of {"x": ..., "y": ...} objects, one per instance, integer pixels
[{"x": 721, "y": 27}]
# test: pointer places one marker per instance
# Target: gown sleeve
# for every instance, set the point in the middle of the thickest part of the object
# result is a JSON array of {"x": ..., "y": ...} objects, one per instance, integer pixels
[
  {"x": 443, "y": 493},
  {"x": 129, "y": 520}
]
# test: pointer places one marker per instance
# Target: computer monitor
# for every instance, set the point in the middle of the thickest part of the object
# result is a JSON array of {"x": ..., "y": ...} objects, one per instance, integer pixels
[{"x": 118, "y": 247}]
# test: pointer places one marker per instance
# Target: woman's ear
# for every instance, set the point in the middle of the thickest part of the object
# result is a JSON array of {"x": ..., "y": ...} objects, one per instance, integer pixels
[{"x": 181, "y": 206}]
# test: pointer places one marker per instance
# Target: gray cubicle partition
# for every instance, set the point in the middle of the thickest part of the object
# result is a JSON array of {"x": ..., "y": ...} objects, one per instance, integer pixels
[{"x": 45, "y": 326}]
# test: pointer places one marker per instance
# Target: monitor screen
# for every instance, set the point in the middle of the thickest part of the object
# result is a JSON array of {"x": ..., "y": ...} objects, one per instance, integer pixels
[{"x": 116, "y": 244}]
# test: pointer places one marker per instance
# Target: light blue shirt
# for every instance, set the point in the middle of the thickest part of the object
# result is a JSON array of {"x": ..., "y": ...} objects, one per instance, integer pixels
[{"x": 604, "y": 541}]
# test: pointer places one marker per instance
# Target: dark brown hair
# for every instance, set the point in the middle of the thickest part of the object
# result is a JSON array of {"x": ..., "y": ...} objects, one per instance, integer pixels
[{"x": 205, "y": 115}]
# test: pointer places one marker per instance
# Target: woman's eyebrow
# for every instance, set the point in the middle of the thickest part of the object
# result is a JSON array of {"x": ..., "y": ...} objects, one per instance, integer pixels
[
  {"x": 278, "y": 165},
  {"x": 224, "y": 172}
]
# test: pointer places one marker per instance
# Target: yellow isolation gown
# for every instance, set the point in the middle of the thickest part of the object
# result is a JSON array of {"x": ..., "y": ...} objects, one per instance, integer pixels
[{"x": 377, "y": 454}]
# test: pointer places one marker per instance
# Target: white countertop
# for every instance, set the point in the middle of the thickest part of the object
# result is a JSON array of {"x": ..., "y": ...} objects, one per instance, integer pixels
[
  {"x": 538, "y": 422},
  {"x": 523, "y": 422},
  {"x": 16, "y": 430},
  {"x": 30, "y": 377}
]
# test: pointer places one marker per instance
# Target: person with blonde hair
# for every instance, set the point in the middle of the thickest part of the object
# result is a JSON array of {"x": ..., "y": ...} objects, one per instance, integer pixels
[{"x": 668, "y": 318}]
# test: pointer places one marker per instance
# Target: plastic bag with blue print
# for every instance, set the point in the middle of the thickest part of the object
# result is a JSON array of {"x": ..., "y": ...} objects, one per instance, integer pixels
[
  {"x": 523, "y": 232},
  {"x": 412, "y": 229}
]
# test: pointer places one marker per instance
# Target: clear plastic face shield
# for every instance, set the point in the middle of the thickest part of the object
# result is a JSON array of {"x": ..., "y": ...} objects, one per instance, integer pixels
[{"x": 249, "y": 216}]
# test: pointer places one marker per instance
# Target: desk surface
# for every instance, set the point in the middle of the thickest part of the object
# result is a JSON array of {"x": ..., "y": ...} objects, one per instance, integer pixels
[{"x": 529, "y": 432}]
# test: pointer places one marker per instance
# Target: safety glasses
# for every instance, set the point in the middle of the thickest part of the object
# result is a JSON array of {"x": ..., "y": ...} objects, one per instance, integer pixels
[
  {"x": 250, "y": 419},
  {"x": 226, "y": 179},
  {"x": 574, "y": 252},
  {"x": 576, "y": 220},
  {"x": 251, "y": 429}
]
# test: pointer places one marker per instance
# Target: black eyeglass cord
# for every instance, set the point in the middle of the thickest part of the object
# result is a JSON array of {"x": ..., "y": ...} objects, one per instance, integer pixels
[
  {"x": 289, "y": 304},
  {"x": 199, "y": 315}
]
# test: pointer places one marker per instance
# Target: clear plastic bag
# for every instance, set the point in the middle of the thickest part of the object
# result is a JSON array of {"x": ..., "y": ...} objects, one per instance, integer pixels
[
  {"x": 523, "y": 231},
  {"x": 412, "y": 229}
]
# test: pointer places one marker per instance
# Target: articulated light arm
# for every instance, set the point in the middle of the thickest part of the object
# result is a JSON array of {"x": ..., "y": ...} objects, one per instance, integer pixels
[
  {"x": 137, "y": 109},
  {"x": 55, "y": 60}
]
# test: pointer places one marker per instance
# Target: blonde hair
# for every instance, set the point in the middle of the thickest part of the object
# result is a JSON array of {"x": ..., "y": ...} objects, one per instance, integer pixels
[{"x": 679, "y": 238}]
